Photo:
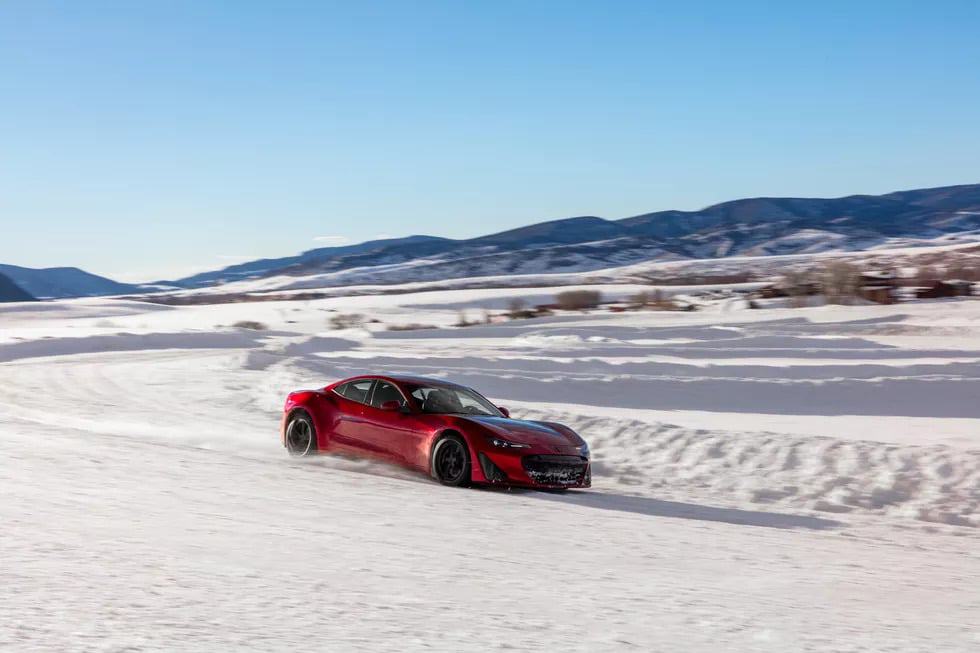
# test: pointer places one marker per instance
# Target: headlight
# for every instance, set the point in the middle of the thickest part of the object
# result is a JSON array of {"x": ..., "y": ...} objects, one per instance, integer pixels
[
  {"x": 505, "y": 444},
  {"x": 583, "y": 450}
]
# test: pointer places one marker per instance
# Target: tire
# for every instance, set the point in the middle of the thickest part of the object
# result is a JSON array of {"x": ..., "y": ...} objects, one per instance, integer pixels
[
  {"x": 301, "y": 436},
  {"x": 451, "y": 461}
]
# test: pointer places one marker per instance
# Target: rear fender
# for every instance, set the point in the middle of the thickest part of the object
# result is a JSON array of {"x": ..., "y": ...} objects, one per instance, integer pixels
[{"x": 318, "y": 406}]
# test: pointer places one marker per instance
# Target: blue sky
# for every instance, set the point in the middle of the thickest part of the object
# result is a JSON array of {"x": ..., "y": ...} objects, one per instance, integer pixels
[{"x": 143, "y": 140}]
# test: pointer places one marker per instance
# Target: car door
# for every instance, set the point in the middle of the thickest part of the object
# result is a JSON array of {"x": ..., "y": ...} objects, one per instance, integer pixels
[
  {"x": 386, "y": 430},
  {"x": 350, "y": 429}
]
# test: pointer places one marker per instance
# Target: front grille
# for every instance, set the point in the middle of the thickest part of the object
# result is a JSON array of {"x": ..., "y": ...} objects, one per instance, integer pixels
[{"x": 555, "y": 470}]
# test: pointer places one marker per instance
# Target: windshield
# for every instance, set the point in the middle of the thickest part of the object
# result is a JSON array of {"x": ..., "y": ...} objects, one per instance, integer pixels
[{"x": 445, "y": 400}]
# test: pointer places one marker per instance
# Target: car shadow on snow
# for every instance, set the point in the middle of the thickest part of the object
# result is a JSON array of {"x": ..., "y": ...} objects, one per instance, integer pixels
[
  {"x": 590, "y": 499},
  {"x": 679, "y": 510}
]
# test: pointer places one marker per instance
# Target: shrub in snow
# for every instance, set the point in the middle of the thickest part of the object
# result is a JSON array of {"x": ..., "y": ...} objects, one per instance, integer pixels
[
  {"x": 250, "y": 324},
  {"x": 517, "y": 309},
  {"x": 346, "y": 321},
  {"x": 410, "y": 327}
]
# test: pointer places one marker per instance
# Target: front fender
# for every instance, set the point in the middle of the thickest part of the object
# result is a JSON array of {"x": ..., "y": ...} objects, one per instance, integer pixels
[{"x": 453, "y": 427}]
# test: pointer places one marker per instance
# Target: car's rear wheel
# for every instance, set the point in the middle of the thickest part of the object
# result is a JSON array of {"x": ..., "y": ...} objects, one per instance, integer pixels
[
  {"x": 301, "y": 436},
  {"x": 451, "y": 461}
]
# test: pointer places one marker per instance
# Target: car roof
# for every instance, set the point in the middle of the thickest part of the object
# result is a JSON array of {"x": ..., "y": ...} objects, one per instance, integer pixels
[{"x": 405, "y": 380}]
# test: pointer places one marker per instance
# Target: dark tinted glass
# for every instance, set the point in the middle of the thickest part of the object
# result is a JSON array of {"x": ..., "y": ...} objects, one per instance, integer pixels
[
  {"x": 385, "y": 392},
  {"x": 356, "y": 390}
]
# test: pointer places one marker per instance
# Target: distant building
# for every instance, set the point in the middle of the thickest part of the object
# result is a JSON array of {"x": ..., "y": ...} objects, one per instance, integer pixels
[
  {"x": 780, "y": 289},
  {"x": 878, "y": 286},
  {"x": 877, "y": 294},
  {"x": 953, "y": 288}
]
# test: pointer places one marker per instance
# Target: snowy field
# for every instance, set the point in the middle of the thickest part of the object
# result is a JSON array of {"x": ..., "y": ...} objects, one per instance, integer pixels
[{"x": 769, "y": 480}]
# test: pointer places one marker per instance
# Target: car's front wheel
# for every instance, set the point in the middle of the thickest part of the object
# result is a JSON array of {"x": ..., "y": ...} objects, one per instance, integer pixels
[
  {"x": 301, "y": 436},
  {"x": 451, "y": 461}
]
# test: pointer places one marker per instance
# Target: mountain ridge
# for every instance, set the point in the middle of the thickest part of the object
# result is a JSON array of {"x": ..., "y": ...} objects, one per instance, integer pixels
[
  {"x": 758, "y": 226},
  {"x": 11, "y": 292},
  {"x": 747, "y": 226},
  {"x": 63, "y": 282}
]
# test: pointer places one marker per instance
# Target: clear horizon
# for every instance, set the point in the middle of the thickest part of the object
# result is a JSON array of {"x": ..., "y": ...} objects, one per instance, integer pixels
[{"x": 157, "y": 140}]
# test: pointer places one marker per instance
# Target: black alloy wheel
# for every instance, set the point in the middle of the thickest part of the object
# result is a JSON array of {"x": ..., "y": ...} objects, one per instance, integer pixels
[
  {"x": 451, "y": 461},
  {"x": 301, "y": 436}
]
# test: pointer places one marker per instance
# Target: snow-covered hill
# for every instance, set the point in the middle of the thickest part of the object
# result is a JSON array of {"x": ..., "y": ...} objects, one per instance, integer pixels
[
  {"x": 588, "y": 248},
  {"x": 668, "y": 274},
  {"x": 753, "y": 227},
  {"x": 54, "y": 283}
]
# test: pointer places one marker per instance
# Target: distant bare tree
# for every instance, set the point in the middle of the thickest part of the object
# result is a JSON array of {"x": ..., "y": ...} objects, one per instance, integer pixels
[
  {"x": 965, "y": 270},
  {"x": 926, "y": 274},
  {"x": 640, "y": 299},
  {"x": 657, "y": 299},
  {"x": 797, "y": 284},
  {"x": 578, "y": 300},
  {"x": 516, "y": 306},
  {"x": 840, "y": 282}
]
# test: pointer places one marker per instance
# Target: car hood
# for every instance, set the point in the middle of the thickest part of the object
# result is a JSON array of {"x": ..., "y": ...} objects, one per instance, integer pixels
[{"x": 524, "y": 432}]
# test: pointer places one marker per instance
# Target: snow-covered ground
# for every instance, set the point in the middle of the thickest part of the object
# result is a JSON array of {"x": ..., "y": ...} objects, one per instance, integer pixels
[{"x": 769, "y": 480}]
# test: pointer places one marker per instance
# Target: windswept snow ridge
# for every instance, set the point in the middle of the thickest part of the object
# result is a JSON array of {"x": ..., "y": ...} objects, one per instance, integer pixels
[{"x": 934, "y": 484}]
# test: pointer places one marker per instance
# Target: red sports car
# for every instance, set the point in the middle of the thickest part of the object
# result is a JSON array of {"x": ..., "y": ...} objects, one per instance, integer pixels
[{"x": 447, "y": 430}]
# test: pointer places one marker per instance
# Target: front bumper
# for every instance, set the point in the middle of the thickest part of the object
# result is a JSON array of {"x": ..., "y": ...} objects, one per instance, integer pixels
[{"x": 532, "y": 469}]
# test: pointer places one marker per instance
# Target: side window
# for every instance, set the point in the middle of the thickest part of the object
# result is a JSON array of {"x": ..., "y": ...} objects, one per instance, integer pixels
[
  {"x": 356, "y": 390},
  {"x": 384, "y": 392}
]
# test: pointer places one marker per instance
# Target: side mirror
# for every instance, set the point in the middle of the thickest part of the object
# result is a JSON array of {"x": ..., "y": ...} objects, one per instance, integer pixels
[
  {"x": 391, "y": 405},
  {"x": 504, "y": 411}
]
